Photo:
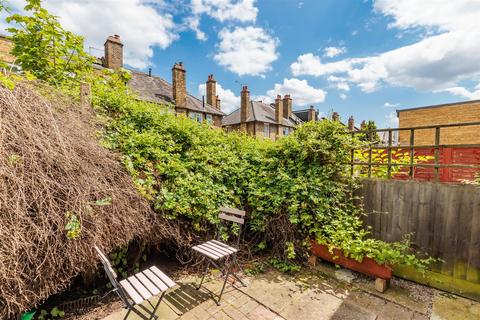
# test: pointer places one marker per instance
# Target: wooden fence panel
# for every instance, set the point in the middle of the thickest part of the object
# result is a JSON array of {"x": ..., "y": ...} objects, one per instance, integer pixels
[{"x": 444, "y": 220}]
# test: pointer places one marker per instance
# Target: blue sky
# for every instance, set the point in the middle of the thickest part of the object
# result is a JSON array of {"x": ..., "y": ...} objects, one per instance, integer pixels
[{"x": 360, "y": 58}]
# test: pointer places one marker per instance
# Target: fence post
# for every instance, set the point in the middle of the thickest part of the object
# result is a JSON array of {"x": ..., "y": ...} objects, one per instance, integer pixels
[
  {"x": 436, "y": 153},
  {"x": 389, "y": 150},
  {"x": 412, "y": 151},
  {"x": 352, "y": 155}
]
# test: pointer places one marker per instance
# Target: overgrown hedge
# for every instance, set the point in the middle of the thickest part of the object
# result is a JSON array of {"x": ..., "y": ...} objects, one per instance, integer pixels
[{"x": 293, "y": 190}]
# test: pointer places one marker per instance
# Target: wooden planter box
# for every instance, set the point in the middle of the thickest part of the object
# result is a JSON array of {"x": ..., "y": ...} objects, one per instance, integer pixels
[{"x": 368, "y": 266}]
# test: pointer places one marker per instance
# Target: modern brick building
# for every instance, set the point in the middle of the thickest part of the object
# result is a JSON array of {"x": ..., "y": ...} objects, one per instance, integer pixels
[
  {"x": 450, "y": 113},
  {"x": 259, "y": 119},
  {"x": 157, "y": 90}
]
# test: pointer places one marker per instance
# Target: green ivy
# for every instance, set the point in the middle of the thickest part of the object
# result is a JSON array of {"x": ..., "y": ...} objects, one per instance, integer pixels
[{"x": 294, "y": 190}]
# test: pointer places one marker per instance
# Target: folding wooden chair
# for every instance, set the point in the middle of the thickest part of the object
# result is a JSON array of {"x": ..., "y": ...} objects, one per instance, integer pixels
[
  {"x": 217, "y": 252},
  {"x": 138, "y": 288}
]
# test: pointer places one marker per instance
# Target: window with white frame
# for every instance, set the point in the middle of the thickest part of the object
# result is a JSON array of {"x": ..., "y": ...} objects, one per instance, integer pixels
[
  {"x": 266, "y": 130},
  {"x": 286, "y": 131}
]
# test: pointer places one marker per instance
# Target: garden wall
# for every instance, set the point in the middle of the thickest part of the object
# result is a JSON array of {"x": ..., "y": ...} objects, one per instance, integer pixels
[{"x": 444, "y": 220}]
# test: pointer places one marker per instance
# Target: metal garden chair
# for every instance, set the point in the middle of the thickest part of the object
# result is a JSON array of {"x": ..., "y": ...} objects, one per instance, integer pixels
[
  {"x": 138, "y": 288},
  {"x": 217, "y": 252}
]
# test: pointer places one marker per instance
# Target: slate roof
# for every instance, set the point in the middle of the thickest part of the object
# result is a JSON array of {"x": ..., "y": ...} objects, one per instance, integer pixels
[
  {"x": 261, "y": 112},
  {"x": 158, "y": 90}
]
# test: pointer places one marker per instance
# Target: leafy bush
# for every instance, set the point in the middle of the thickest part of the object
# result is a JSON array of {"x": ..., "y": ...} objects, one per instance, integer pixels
[
  {"x": 294, "y": 190},
  {"x": 43, "y": 47}
]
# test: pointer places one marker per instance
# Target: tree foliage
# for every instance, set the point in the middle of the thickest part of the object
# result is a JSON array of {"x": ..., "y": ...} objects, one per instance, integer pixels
[{"x": 44, "y": 48}]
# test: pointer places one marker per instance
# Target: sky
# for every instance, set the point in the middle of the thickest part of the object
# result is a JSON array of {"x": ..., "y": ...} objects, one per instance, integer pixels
[{"x": 364, "y": 59}]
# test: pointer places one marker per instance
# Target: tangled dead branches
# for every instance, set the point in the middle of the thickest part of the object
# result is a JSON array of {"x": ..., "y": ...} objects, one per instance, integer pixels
[{"x": 51, "y": 166}]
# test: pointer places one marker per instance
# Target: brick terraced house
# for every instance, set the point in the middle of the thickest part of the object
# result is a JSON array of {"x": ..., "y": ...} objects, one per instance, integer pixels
[
  {"x": 157, "y": 90},
  {"x": 259, "y": 119}
]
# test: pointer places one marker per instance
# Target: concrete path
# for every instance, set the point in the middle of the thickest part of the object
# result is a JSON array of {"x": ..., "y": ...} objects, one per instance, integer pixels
[{"x": 316, "y": 294}]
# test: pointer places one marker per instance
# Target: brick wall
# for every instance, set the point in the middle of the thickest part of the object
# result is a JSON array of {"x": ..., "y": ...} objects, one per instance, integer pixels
[
  {"x": 5, "y": 49},
  {"x": 448, "y": 114}
]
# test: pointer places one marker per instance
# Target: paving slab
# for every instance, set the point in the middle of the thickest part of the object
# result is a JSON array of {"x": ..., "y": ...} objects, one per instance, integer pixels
[
  {"x": 451, "y": 307},
  {"x": 308, "y": 295}
]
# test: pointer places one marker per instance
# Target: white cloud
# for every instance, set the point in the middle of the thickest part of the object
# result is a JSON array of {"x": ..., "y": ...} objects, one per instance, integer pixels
[
  {"x": 141, "y": 25},
  {"x": 463, "y": 92},
  {"x": 229, "y": 101},
  {"x": 445, "y": 55},
  {"x": 223, "y": 10},
  {"x": 390, "y": 105},
  {"x": 331, "y": 52},
  {"x": 342, "y": 96},
  {"x": 246, "y": 50},
  {"x": 263, "y": 98},
  {"x": 300, "y": 91},
  {"x": 193, "y": 23}
]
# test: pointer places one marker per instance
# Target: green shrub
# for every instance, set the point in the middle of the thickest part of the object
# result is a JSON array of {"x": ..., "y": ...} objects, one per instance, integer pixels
[{"x": 294, "y": 190}]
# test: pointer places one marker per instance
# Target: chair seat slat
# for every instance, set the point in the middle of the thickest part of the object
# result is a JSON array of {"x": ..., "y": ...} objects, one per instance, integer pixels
[
  {"x": 141, "y": 289},
  {"x": 211, "y": 251},
  {"x": 222, "y": 246},
  {"x": 231, "y": 218},
  {"x": 132, "y": 293},
  {"x": 147, "y": 283},
  {"x": 232, "y": 211},
  {"x": 207, "y": 252},
  {"x": 169, "y": 282},
  {"x": 220, "y": 250},
  {"x": 156, "y": 280}
]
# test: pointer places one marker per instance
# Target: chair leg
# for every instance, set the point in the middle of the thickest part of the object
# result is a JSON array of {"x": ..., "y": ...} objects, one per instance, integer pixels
[
  {"x": 224, "y": 284},
  {"x": 128, "y": 313},
  {"x": 204, "y": 274},
  {"x": 235, "y": 262},
  {"x": 158, "y": 304}
]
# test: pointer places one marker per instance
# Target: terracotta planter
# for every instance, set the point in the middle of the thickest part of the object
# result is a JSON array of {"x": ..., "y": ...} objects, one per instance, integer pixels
[{"x": 368, "y": 266}]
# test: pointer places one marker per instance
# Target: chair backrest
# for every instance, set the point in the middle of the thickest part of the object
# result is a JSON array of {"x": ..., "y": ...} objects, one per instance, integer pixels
[
  {"x": 233, "y": 215},
  {"x": 111, "y": 274}
]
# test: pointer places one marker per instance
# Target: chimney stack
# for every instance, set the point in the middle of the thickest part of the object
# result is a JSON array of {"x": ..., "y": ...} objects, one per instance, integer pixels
[
  {"x": 335, "y": 116},
  {"x": 217, "y": 101},
  {"x": 211, "y": 91},
  {"x": 113, "y": 52},
  {"x": 363, "y": 125},
  {"x": 351, "y": 123},
  {"x": 287, "y": 106},
  {"x": 312, "y": 114},
  {"x": 244, "y": 104},
  {"x": 179, "y": 85},
  {"x": 278, "y": 109}
]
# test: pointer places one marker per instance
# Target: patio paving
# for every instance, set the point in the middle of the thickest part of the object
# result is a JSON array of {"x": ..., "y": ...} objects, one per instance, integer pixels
[{"x": 314, "y": 294}]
